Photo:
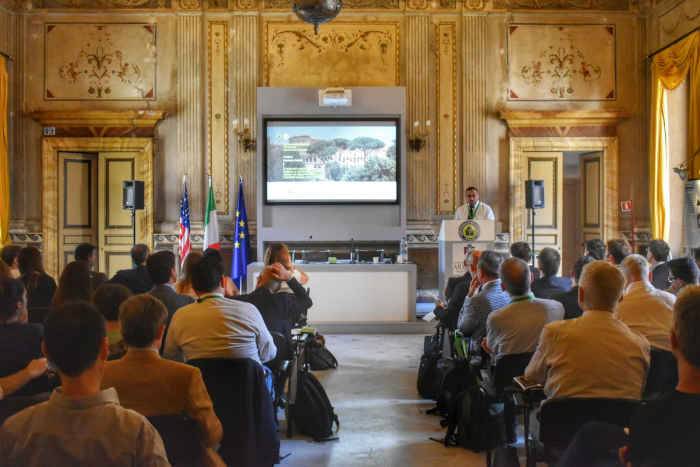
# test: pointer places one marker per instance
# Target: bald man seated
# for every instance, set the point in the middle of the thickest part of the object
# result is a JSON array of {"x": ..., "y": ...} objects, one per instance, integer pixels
[{"x": 595, "y": 355}]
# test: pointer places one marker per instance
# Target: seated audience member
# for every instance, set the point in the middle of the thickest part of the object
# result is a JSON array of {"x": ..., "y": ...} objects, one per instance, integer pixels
[
  {"x": 230, "y": 288},
  {"x": 279, "y": 253},
  {"x": 595, "y": 355},
  {"x": 663, "y": 432},
  {"x": 280, "y": 311},
  {"x": 458, "y": 285},
  {"x": 522, "y": 250},
  {"x": 74, "y": 284},
  {"x": 570, "y": 299},
  {"x": 161, "y": 268},
  {"x": 40, "y": 286},
  {"x": 10, "y": 255},
  {"x": 153, "y": 386},
  {"x": 215, "y": 326},
  {"x": 184, "y": 285},
  {"x": 658, "y": 257},
  {"x": 645, "y": 309},
  {"x": 79, "y": 424},
  {"x": 107, "y": 299},
  {"x": 595, "y": 248},
  {"x": 88, "y": 252},
  {"x": 473, "y": 315},
  {"x": 12, "y": 383},
  {"x": 516, "y": 328},
  {"x": 20, "y": 341},
  {"x": 550, "y": 284},
  {"x": 135, "y": 279},
  {"x": 684, "y": 272},
  {"x": 696, "y": 255},
  {"x": 618, "y": 249},
  {"x": 448, "y": 313}
]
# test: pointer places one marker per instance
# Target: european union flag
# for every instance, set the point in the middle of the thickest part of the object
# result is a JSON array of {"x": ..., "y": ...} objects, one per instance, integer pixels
[{"x": 241, "y": 246}]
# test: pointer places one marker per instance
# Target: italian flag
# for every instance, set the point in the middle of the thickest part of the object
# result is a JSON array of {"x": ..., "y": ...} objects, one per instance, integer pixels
[{"x": 211, "y": 224}]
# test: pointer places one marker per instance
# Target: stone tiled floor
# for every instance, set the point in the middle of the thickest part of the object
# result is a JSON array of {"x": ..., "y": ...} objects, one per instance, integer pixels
[{"x": 381, "y": 416}]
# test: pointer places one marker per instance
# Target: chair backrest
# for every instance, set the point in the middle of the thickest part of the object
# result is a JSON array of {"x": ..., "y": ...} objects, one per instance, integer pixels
[
  {"x": 560, "y": 419},
  {"x": 663, "y": 373},
  {"x": 244, "y": 406},
  {"x": 181, "y": 438},
  {"x": 14, "y": 404},
  {"x": 284, "y": 351},
  {"x": 508, "y": 367}
]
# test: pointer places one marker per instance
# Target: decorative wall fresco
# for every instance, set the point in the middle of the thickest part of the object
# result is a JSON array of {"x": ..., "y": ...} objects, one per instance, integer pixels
[
  {"x": 100, "y": 61},
  {"x": 561, "y": 62},
  {"x": 101, "y": 3},
  {"x": 342, "y": 54},
  {"x": 561, "y": 4}
]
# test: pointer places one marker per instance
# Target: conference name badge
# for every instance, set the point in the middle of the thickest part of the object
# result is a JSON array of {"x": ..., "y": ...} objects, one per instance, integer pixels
[{"x": 469, "y": 231}]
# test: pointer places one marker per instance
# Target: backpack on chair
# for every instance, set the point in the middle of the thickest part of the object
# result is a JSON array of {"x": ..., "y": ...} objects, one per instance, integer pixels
[
  {"x": 318, "y": 356},
  {"x": 312, "y": 412}
]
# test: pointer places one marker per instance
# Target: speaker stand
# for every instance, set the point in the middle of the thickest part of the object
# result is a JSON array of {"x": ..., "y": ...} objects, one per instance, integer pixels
[
  {"x": 133, "y": 226},
  {"x": 532, "y": 225}
]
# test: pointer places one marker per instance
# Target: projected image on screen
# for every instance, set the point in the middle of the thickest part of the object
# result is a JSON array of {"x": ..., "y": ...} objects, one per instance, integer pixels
[{"x": 331, "y": 161}]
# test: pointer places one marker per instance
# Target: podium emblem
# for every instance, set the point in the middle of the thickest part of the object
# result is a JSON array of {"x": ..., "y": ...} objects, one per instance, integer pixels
[{"x": 469, "y": 231}]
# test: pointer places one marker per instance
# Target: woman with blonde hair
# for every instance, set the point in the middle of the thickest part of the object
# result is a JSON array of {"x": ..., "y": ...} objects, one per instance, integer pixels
[
  {"x": 279, "y": 253},
  {"x": 184, "y": 285}
]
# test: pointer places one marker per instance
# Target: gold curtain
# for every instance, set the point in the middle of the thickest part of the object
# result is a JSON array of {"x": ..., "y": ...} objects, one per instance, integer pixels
[
  {"x": 669, "y": 69},
  {"x": 4, "y": 164}
]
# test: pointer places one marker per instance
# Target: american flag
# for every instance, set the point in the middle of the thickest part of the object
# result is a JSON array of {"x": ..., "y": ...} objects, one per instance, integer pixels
[{"x": 184, "y": 243}]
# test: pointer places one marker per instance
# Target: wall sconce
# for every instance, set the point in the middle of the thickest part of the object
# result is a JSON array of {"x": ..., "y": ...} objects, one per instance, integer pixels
[
  {"x": 245, "y": 135},
  {"x": 417, "y": 140},
  {"x": 682, "y": 171}
]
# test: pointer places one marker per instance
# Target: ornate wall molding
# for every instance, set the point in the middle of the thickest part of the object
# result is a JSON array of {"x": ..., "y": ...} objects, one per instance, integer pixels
[
  {"x": 474, "y": 109},
  {"x": 342, "y": 54},
  {"x": 218, "y": 111},
  {"x": 447, "y": 116},
  {"x": 189, "y": 115},
  {"x": 561, "y": 4},
  {"x": 94, "y": 4}
]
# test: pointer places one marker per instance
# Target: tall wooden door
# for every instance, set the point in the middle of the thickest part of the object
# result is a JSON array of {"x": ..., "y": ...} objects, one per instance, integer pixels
[
  {"x": 547, "y": 166},
  {"x": 90, "y": 207},
  {"x": 114, "y": 223},
  {"x": 592, "y": 195},
  {"x": 77, "y": 206}
]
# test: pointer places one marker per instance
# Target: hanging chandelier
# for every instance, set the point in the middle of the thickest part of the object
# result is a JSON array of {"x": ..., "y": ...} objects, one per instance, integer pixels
[{"x": 317, "y": 12}]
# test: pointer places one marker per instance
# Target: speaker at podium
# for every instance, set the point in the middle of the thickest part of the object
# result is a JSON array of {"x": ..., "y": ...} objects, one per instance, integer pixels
[{"x": 456, "y": 239}]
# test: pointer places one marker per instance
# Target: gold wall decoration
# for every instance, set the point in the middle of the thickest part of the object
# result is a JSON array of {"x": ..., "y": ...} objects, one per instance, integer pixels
[
  {"x": 561, "y": 62},
  {"x": 101, "y": 3},
  {"x": 342, "y": 54},
  {"x": 100, "y": 61},
  {"x": 378, "y": 4},
  {"x": 426, "y": 4},
  {"x": 190, "y": 4},
  {"x": 561, "y": 4},
  {"x": 446, "y": 37},
  {"x": 217, "y": 110}
]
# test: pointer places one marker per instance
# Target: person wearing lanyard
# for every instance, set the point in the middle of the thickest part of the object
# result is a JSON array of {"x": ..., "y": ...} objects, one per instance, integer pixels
[{"x": 474, "y": 209}]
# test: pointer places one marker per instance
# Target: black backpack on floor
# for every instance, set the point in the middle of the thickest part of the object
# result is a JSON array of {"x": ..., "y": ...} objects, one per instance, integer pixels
[
  {"x": 312, "y": 413},
  {"x": 455, "y": 377},
  {"x": 475, "y": 421},
  {"x": 318, "y": 356},
  {"x": 428, "y": 378}
]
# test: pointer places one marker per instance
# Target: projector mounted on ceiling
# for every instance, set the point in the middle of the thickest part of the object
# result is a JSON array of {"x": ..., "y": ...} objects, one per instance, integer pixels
[{"x": 335, "y": 97}]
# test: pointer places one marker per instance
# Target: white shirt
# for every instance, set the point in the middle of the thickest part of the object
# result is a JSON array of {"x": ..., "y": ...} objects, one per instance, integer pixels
[
  {"x": 649, "y": 312},
  {"x": 483, "y": 212},
  {"x": 217, "y": 327},
  {"x": 595, "y": 355}
]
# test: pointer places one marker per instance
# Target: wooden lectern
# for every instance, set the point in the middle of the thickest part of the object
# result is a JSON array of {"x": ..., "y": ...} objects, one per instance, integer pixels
[{"x": 456, "y": 238}]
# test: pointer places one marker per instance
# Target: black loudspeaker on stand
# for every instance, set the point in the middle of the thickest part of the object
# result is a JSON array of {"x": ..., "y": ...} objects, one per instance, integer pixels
[
  {"x": 132, "y": 199},
  {"x": 534, "y": 199}
]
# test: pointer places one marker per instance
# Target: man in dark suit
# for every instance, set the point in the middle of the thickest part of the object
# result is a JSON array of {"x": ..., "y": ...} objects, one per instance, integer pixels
[
  {"x": 550, "y": 284},
  {"x": 136, "y": 279},
  {"x": 161, "y": 268},
  {"x": 279, "y": 310},
  {"x": 570, "y": 299},
  {"x": 658, "y": 260},
  {"x": 523, "y": 251},
  {"x": 88, "y": 252}
]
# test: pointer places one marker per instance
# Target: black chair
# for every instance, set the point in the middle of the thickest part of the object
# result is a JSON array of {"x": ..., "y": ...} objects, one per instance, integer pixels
[
  {"x": 14, "y": 404},
  {"x": 244, "y": 406},
  {"x": 560, "y": 419},
  {"x": 181, "y": 438},
  {"x": 663, "y": 373}
]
